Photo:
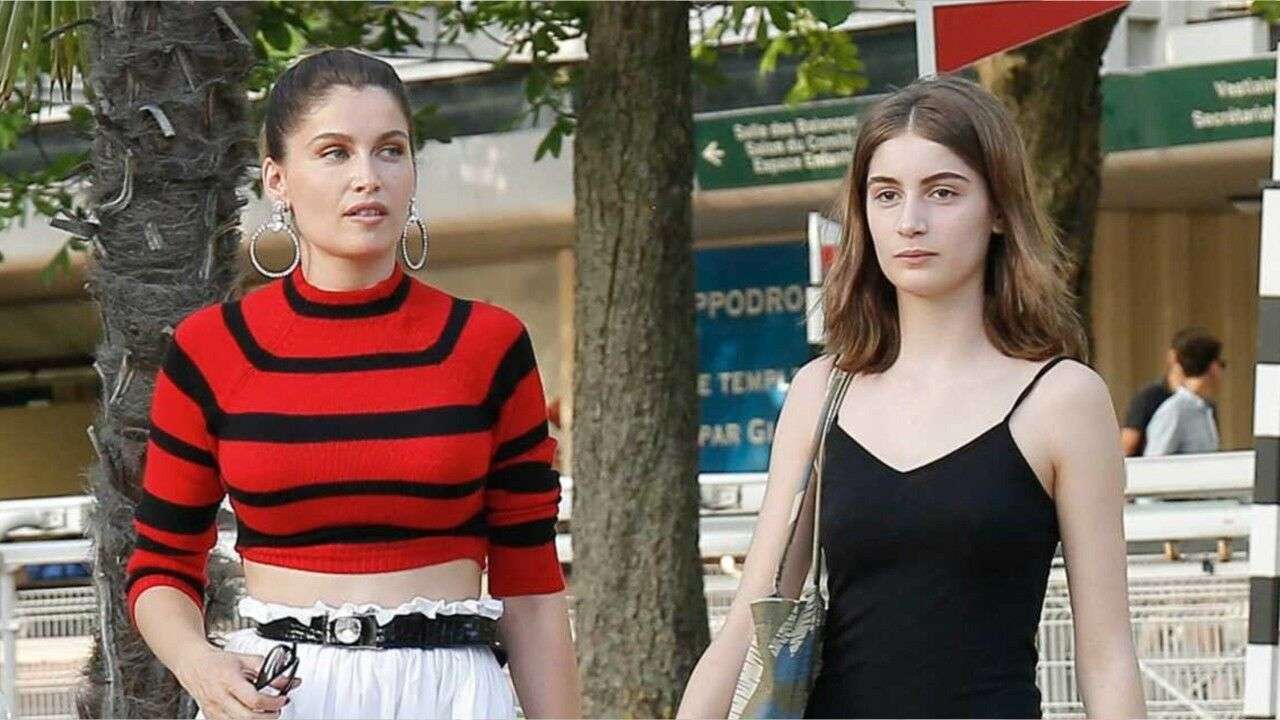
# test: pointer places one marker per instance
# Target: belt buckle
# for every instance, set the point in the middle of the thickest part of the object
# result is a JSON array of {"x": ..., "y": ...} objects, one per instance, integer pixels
[{"x": 352, "y": 631}]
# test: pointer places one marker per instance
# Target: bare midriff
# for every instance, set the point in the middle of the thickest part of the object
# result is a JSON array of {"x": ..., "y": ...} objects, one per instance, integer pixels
[{"x": 453, "y": 580}]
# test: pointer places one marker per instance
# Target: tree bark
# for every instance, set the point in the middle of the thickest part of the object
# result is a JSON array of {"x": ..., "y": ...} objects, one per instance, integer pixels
[
  {"x": 168, "y": 213},
  {"x": 640, "y": 615},
  {"x": 1053, "y": 89}
]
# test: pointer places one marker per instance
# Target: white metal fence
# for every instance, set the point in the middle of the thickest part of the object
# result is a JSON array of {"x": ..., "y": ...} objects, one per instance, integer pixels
[
  {"x": 1190, "y": 627},
  {"x": 1190, "y": 635},
  {"x": 1190, "y": 630}
]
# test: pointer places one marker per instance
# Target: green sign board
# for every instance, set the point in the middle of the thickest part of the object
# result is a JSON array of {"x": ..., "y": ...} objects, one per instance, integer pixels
[
  {"x": 775, "y": 145},
  {"x": 1155, "y": 108},
  {"x": 1189, "y": 104}
]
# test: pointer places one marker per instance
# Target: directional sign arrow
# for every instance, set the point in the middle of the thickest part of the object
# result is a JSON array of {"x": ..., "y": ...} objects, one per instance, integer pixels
[{"x": 713, "y": 154}]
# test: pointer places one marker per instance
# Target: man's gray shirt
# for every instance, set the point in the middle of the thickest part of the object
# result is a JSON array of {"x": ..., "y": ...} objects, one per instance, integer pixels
[{"x": 1182, "y": 424}]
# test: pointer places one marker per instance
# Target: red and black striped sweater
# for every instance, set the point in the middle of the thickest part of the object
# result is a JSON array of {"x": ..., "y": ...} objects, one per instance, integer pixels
[{"x": 356, "y": 431}]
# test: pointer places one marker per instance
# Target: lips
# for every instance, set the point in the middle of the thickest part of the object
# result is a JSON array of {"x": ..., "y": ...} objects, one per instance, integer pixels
[
  {"x": 915, "y": 254},
  {"x": 367, "y": 209}
]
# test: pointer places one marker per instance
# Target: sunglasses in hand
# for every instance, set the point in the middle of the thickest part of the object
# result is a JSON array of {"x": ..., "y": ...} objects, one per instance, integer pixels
[{"x": 280, "y": 662}]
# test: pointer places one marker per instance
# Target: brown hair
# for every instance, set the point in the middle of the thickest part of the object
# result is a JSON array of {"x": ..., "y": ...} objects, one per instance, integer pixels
[
  {"x": 1196, "y": 349},
  {"x": 1028, "y": 308},
  {"x": 305, "y": 83}
]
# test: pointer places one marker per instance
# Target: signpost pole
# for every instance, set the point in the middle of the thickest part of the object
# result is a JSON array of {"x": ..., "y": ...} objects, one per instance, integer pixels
[
  {"x": 926, "y": 50},
  {"x": 1262, "y": 664}
]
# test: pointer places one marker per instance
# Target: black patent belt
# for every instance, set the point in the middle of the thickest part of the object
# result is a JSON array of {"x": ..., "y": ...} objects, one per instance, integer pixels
[{"x": 413, "y": 630}]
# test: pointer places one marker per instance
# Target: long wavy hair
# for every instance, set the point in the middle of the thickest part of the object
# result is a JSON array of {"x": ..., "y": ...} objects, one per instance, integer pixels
[{"x": 1028, "y": 308}]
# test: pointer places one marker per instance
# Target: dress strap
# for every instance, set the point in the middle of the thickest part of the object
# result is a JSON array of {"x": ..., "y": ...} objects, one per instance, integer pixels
[{"x": 1031, "y": 385}]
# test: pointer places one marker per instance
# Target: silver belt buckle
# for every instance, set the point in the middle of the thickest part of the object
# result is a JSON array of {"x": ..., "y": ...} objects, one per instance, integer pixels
[{"x": 353, "y": 631}]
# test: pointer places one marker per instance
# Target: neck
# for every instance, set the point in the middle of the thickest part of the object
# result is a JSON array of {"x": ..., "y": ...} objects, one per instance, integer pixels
[
  {"x": 1200, "y": 386},
  {"x": 332, "y": 272},
  {"x": 941, "y": 332}
]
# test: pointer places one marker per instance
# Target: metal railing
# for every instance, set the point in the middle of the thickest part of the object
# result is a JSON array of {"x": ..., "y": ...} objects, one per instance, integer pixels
[{"x": 1190, "y": 628}]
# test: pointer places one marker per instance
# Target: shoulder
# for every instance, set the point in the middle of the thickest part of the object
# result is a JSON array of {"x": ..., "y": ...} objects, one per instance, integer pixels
[
  {"x": 1175, "y": 406},
  {"x": 1152, "y": 395},
  {"x": 808, "y": 388},
  {"x": 200, "y": 325},
  {"x": 491, "y": 325},
  {"x": 1070, "y": 396},
  {"x": 811, "y": 378}
]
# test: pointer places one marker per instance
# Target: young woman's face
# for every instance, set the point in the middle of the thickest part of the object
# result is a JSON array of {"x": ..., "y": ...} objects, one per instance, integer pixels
[
  {"x": 351, "y": 150},
  {"x": 930, "y": 216}
]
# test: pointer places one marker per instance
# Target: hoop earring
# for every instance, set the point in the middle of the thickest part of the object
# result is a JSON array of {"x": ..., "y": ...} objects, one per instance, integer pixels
[
  {"x": 280, "y": 222},
  {"x": 404, "y": 237}
]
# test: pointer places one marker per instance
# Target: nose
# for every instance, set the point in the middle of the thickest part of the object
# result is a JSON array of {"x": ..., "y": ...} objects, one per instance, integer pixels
[
  {"x": 365, "y": 178},
  {"x": 911, "y": 221}
]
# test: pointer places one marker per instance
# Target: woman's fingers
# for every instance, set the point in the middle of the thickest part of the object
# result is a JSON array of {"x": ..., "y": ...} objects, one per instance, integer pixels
[
  {"x": 253, "y": 700},
  {"x": 249, "y": 664},
  {"x": 284, "y": 684}
]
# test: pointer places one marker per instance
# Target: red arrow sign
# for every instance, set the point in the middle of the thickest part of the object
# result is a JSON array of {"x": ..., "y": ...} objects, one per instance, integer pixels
[{"x": 965, "y": 32}]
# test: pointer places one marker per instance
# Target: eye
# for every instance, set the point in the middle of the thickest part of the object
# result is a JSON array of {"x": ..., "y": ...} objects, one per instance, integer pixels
[
  {"x": 943, "y": 193},
  {"x": 886, "y": 195},
  {"x": 396, "y": 150},
  {"x": 331, "y": 152}
]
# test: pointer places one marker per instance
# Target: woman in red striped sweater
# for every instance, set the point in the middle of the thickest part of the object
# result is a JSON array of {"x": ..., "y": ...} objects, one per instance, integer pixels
[{"x": 382, "y": 442}]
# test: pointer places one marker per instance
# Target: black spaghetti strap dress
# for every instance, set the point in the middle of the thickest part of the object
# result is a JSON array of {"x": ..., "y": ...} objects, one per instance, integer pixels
[{"x": 937, "y": 576}]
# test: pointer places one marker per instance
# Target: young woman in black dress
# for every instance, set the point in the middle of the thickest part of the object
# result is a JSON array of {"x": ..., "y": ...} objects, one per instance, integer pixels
[{"x": 971, "y": 441}]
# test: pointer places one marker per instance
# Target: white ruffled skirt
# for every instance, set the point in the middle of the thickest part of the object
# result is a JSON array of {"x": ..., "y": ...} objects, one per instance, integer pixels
[{"x": 340, "y": 682}]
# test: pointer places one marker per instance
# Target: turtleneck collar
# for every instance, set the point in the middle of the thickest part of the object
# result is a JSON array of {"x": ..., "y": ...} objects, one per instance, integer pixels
[{"x": 384, "y": 296}]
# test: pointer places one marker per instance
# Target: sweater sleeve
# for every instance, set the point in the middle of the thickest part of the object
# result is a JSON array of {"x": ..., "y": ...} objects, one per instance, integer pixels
[
  {"x": 522, "y": 491},
  {"x": 181, "y": 489}
]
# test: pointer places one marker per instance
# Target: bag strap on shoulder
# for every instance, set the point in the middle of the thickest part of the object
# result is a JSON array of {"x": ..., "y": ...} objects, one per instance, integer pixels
[{"x": 837, "y": 385}]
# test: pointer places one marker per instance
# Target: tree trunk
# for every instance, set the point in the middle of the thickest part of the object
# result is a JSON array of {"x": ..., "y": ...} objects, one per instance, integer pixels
[
  {"x": 640, "y": 615},
  {"x": 1054, "y": 91},
  {"x": 168, "y": 212}
]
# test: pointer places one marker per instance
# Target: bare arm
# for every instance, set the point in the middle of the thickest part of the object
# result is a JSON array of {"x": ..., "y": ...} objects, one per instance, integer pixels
[
  {"x": 535, "y": 629},
  {"x": 1130, "y": 439},
  {"x": 1089, "y": 483},
  {"x": 710, "y": 689},
  {"x": 220, "y": 682}
]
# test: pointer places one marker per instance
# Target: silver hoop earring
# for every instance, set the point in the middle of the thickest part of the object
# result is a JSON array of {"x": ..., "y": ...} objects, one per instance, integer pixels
[
  {"x": 280, "y": 222},
  {"x": 404, "y": 238}
]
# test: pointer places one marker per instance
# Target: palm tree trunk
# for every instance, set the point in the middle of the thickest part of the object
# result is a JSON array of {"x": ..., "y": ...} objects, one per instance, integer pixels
[
  {"x": 171, "y": 148},
  {"x": 640, "y": 614}
]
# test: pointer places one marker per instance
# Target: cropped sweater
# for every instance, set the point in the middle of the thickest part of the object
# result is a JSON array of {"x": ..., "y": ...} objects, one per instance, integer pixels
[{"x": 356, "y": 431}]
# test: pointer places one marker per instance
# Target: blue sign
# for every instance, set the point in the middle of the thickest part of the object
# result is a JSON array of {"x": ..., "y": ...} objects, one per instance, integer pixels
[{"x": 750, "y": 305}]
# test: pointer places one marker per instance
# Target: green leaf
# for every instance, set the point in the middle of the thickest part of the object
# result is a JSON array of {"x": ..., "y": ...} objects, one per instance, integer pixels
[
  {"x": 82, "y": 118},
  {"x": 779, "y": 16},
  {"x": 762, "y": 32},
  {"x": 535, "y": 85},
  {"x": 277, "y": 36},
  {"x": 429, "y": 124},
  {"x": 550, "y": 143},
  {"x": 61, "y": 262},
  {"x": 831, "y": 12},
  {"x": 1268, "y": 10},
  {"x": 777, "y": 47}
]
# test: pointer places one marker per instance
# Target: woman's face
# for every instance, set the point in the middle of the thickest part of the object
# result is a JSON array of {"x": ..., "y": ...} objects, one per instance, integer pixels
[
  {"x": 930, "y": 216},
  {"x": 347, "y": 174}
]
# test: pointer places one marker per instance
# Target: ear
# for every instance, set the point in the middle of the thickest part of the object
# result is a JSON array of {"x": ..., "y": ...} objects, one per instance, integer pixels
[{"x": 274, "y": 183}]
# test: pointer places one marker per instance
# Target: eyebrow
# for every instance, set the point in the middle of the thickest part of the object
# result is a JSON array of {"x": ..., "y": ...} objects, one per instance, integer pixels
[
  {"x": 343, "y": 136},
  {"x": 944, "y": 175}
]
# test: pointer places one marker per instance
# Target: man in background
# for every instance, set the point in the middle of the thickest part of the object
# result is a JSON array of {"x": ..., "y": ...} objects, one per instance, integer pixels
[
  {"x": 1185, "y": 422},
  {"x": 1133, "y": 434}
]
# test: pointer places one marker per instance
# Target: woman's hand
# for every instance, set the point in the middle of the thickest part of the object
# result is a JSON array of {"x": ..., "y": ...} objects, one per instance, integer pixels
[{"x": 221, "y": 683}]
